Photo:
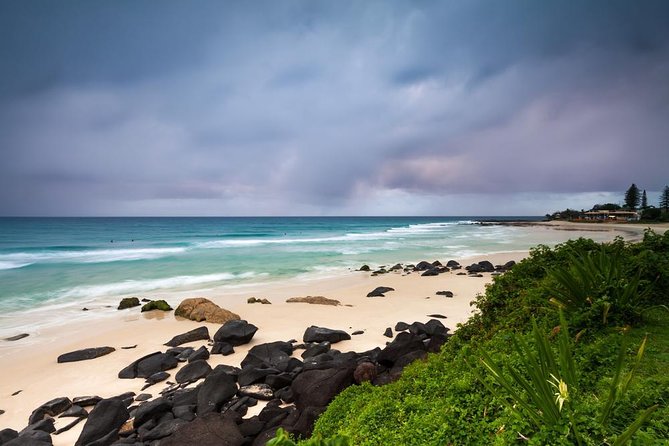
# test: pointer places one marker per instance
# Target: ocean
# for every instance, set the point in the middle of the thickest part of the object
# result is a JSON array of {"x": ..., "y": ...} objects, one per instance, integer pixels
[{"x": 50, "y": 265}]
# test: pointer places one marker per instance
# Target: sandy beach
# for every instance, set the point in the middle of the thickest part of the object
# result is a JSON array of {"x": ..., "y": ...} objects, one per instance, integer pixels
[
  {"x": 32, "y": 376},
  {"x": 31, "y": 368}
]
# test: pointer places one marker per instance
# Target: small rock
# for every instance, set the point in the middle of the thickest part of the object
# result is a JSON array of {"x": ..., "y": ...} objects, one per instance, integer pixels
[
  {"x": 200, "y": 353},
  {"x": 129, "y": 347},
  {"x": 445, "y": 293},
  {"x": 357, "y": 332},
  {"x": 365, "y": 268},
  {"x": 143, "y": 397},
  {"x": 318, "y": 300},
  {"x": 17, "y": 337},
  {"x": 222, "y": 348},
  {"x": 84, "y": 401},
  {"x": 128, "y": 302},
  {"x": 380, "y": 291},
  {"x": 438, "y": 316},
  {"x": 388, "y": 333},
  {"x": 255, "y": 300},
  {"x": 320, "y": 334},
  {"x": 156, "y": 305}
]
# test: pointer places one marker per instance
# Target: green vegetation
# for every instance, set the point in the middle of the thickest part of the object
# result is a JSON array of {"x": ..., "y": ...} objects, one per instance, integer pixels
[
  {"x": 569, "y": 347},
  {"x": 632, "y": 197}
]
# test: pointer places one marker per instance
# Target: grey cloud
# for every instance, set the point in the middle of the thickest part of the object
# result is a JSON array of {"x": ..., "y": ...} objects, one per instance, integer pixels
[{"x": 306, "y": 107}]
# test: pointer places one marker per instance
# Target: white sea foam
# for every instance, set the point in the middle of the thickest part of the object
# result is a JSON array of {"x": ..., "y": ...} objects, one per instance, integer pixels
[
  {"x": 5, "y": 264},
  {"x": 137, "y": 286},
  {"x": 21, "y": 259},
  {"x": 392, "y": 233}
]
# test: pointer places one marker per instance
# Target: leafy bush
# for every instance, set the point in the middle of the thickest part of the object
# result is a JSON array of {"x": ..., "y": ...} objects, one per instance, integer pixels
[{"x": 442, "y": 401}]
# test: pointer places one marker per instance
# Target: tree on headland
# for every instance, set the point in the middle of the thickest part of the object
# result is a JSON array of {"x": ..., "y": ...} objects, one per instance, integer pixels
[
  {"x": 632, "y": 197},
  {"x": 606, "y": 207},
  {"x": 644, "y": 200},
  {"x": 664, "y": 199}
]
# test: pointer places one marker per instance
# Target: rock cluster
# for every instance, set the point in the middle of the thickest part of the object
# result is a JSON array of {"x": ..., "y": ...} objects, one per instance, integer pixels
[
  {"x": 435, "y": 268},
  {"x": 206, "y": 405}
]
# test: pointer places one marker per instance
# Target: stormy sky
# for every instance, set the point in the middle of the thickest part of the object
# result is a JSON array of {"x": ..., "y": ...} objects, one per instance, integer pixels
[{"x": 330, "y": 107}]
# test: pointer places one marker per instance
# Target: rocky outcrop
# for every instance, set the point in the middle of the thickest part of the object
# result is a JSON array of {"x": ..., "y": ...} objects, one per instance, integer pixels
[
  {"x": 317, "y": 300},
  {"x": 200, "y": 309}
]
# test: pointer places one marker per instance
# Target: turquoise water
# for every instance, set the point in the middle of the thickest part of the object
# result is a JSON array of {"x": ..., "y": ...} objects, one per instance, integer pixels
[
  {"x": 47, "y": 260},
  {"x": 48, "y": 265}
]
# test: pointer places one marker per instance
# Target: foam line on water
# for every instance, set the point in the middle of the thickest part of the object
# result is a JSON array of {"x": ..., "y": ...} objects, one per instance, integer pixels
[{"x": 85, "y": 256}]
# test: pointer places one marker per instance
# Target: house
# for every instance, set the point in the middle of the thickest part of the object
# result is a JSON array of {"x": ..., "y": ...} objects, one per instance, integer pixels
[{"x": 612, "y": 215}]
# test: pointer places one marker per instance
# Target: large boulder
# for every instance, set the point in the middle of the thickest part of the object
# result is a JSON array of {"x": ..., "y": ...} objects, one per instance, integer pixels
[
  {"x": 235, "y": 332},
  {"x": 268, "y": 355},
  {"x": 317, "y": 300},
  {"x": 316, "y": 388},
  {"x": 85, "y": 354},
  {"x": 320, "y": 334},
  {"x": 52, "y": 408},
  {"x": 103, "y": 423},
  {"x": 217, "y": 389},
  {"x": 403, "y": 344},
  {"x": 152, "y": 410},
  {"x": 149, "y": 365},
  {"x": 193, "y": 371},
  {"x": 200, "y": 309},
  {"x": 196, "y": 334},
  {"x": 212, "y": 429}
]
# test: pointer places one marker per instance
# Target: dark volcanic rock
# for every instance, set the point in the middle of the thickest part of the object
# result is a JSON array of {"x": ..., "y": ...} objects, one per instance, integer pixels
[
  {"x": 269, "y": 354},
  {"x": 431, "y": 272},
  {"x": 199, "y": 354},
  {"x": 401, "y": 326},
  {"x": 209, "y": 430},
  {"x": 222, "y": 348},
  {"x": 7, "y": 434},
  {"x": 75, "y": 411},
  {"x": 380, "y": 291},
  {"x": 252, "y": 374},
  {"x": 316, "y": 349},
  {"x": 365, "y": 268},
  {"x": 445, "y": 293},
  {"x": 148, "y": 365},
  {"x": 452, "y": 264},
  {"x": 157, "y": 377},
  {"x": 152, "y": 410},
  {"x": 218, "y": 388},
  {"x": 85, "y": 401},
  {"x": 316, "y": 388},
  {"x": 197, "y": 334},
  {"x": 128, "y": 302},
  {"x": 162, "y": 430},
  {"x": 388, "y": 333},
  {"x": 357, "y": 332},
  {"x": 193, "y": 371},
  {"x": 156, "y": 305},
  {"x": 85, "y": 354},
  {"x": 423, "y": 266},
  {"x": 17, "y": 337},
  {"x": 320, "y": 334},
  {"x": 402, "y": 344},
  {"x": 235, "y": 332},
  {"x": 437, "y": 315},
  {"x": 52, "y": 408},
  {"x": 104, "y": 421}
]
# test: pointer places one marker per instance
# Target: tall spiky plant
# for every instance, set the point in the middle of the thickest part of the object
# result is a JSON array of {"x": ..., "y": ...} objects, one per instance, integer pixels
[{"x": 545, "y": 387}]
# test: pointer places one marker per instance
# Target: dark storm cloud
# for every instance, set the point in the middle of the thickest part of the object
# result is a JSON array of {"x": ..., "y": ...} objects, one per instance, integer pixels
[{"x": 308, "y": 107}]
